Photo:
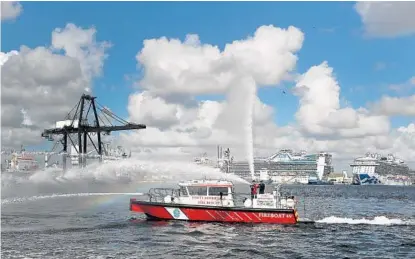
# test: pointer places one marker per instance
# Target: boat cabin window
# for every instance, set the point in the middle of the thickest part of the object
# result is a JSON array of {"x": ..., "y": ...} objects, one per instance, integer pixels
[
  {"x": 215, "y": 191},
  {"x": 197, "y": 190},
  {"x": 183, "y": 191}
]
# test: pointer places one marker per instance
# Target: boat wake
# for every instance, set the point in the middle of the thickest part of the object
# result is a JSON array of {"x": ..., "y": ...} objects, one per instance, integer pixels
[
  {"x": 380, "y": 220},
  {"x": 67, "y": 195}
]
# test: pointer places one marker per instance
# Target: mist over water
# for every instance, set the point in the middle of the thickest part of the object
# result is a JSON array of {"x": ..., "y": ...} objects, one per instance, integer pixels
[{"x": 129, "y": 175}]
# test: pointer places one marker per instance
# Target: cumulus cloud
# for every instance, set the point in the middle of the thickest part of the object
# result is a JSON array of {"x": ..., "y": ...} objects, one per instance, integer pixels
[
  {"x": 10, "y": 10},
  {"x": 387, "y": 19},
  {"x": 320, "y": 112},
  {"x": 191, "y": 68},
  {"x": 40, "y": 86},
  {"x": 401, "y": 105},
  {"x": 175, "y": 71},
  {"x": 81, "y": 44},
  {"x": 154, "y": 110},
  {"x": 395, "y": 106},
  {"x": 185, "y": 69}
]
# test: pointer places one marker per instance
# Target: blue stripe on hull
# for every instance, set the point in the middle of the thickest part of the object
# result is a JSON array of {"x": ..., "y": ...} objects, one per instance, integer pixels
[{"x": 365, "y": 179}]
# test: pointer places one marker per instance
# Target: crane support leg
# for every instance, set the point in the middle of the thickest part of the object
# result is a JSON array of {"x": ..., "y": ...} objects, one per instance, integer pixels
[{"x": 65, "y": 150}]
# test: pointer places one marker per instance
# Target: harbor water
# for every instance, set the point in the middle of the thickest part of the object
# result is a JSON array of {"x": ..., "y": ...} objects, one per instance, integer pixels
[{"x": 92, "y": 220}]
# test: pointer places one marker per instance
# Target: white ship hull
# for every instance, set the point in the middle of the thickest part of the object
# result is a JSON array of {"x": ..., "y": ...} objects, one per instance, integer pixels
[
  {"x": 377, "y": 169},
  {"x": 375, "y": 179}
]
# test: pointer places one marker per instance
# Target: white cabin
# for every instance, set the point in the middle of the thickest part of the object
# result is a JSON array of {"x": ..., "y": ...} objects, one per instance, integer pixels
[
  {"x": 206, "y": 192},
  {"x": 220, "y": 193}
]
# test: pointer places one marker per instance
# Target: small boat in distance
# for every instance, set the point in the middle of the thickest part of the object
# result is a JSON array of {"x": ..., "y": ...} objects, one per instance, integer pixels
[{"x": 214, "y": 201}]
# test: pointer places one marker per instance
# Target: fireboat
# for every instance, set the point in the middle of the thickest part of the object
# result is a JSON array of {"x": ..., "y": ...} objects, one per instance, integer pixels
[{"x": 214, "y": 201}]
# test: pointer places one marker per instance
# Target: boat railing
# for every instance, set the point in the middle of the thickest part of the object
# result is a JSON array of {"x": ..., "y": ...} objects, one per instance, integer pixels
[
  {"x": 281, "y": 199},
  {"x": 158, "y": 194}
]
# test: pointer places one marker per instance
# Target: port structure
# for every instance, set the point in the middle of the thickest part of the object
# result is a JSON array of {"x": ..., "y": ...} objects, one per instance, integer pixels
[{"x": 83, "y": 123}]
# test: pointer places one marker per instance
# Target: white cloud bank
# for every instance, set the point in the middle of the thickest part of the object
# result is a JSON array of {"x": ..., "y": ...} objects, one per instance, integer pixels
[
  {"x": 174, "y": 72},
  {"x": 387, "y": 19},
  {"x": 40, "y": 86}
]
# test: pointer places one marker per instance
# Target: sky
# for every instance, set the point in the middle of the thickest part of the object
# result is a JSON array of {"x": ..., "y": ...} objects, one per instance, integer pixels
[{"x": 324, "y": 76}]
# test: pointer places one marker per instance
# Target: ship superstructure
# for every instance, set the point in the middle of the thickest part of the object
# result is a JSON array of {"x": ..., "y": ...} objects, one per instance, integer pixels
[
  {"x": 283, "y": 166},
  {"x": 21, "y": 162},
  {"x": 377, "y": 169}
]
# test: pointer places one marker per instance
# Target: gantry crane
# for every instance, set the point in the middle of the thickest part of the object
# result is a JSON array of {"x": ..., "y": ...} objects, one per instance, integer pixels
[{"x": 82, "y": 123}]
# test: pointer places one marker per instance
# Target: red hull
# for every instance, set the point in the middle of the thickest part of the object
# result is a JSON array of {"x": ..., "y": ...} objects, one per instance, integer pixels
[{"x": 169, "y": 211}]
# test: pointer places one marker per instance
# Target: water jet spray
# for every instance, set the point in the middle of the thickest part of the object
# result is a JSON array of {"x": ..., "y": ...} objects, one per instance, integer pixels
[{"x": 249, "y": 122}]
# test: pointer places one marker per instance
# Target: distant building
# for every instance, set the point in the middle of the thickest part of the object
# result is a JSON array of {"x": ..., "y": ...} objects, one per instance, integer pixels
[{"x": 339, "y": 178}]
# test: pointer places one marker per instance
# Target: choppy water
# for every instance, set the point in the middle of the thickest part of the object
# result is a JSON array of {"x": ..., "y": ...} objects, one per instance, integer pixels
[{"x": 352, "y": 222}]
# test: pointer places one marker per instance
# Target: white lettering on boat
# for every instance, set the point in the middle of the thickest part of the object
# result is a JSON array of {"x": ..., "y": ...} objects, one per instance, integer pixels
[
  {"x": 275, "y": 215},
  {"x": 202, "y": 202},
  {"x": 205, "y": 198}
]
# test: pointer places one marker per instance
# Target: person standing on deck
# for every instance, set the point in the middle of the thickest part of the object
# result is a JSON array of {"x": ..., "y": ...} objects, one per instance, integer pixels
[
  {"x": 254, "y": 189},
  {"x": 262, "y": 187}
]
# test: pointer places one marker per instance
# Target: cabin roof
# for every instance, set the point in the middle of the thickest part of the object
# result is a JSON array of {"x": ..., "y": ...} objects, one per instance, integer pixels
[{"x": 207, "y": 183}]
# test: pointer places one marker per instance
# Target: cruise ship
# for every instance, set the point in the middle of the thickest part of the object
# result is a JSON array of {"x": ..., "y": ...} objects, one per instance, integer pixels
[
  {"x": 377, "y": 169},
  {"x": 285, "y": 166}
]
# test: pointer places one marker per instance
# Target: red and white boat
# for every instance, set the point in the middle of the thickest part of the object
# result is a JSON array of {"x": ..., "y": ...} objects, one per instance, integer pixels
[{"x": 214, "y": 201}]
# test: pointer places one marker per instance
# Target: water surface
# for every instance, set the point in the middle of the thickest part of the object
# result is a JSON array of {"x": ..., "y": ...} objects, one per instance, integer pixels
[{"x": 352, "y": 222}]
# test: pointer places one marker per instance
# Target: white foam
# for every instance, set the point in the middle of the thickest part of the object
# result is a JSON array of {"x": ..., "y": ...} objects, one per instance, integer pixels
[
  {"x": 380, "y": 220},
  {"x": 66, "y": 195}
]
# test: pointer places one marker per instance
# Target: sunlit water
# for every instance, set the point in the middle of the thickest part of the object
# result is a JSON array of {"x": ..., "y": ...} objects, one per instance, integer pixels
[{"x": 90, "y": 219}]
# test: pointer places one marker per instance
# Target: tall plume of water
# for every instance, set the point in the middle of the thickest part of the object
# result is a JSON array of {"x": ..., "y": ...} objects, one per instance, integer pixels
[
  {"x": 238, "y": 115},
  {"x": 250, "y": 88}
]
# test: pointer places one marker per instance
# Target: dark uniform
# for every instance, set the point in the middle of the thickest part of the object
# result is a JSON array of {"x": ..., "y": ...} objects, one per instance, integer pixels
[{"x": 262, "y": 187}]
